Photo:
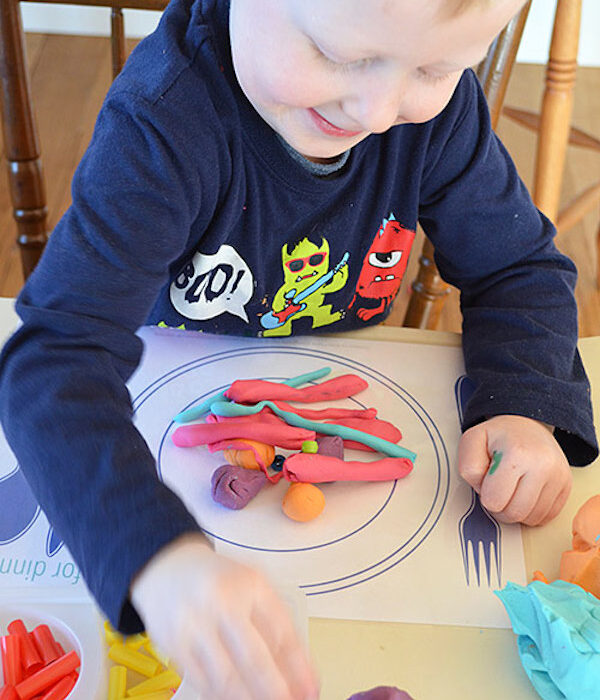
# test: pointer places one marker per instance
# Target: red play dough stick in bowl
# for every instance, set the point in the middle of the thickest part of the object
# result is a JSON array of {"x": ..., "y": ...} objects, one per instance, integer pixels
[
  {"x": 11, "y": 659},
  {"x": 48, "y": 676}
]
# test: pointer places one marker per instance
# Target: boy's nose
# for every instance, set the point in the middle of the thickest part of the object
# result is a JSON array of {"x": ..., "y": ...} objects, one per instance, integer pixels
[
  {"x": 376, "y": 112},
  {"x": 376, "y": 101}
]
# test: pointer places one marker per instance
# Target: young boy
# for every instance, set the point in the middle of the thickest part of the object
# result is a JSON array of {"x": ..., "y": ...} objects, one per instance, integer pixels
[{"x": 251, "y": 151}]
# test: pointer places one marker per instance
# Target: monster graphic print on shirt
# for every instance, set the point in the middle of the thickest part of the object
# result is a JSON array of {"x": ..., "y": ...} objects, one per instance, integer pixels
[
  {"x": 307, "y": 279},
  {"x": 382, "y": 269}
]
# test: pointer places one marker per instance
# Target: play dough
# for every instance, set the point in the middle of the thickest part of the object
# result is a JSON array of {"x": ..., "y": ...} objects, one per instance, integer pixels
[
  {"x": 234, "y": 487},
  {"x": 316, "y": 468},
  {"x": 303, "y": 502},
  {"x": 558, "y": 628},
  {"x": 382, "y": 692},
  {"x": 254, "y": 390}
]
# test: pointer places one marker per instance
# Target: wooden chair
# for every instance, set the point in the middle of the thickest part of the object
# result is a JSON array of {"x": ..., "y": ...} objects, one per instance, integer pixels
[
  {"x": 553, "y": 125},
  {"x": 21, "y": 143},
  {"x": 429, "y": 291}
]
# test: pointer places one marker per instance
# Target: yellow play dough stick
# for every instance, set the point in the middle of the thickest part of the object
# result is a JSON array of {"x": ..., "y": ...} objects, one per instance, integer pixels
[
  {"x": 163, "y": 681},
  {"x": 135, "y": 641},
  {"x": 110, "y": 634},
  {"x": 117, "y": 682},
  {"x": 122, "y": 654}
]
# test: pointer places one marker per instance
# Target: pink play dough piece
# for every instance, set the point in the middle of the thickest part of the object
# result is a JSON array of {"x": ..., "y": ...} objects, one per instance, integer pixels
[
  {"x": 265, "y": 416},
  {"x": 331, "y": 412},
  {"x": 382, "y": 692},
  {"x": 234, "y": 487},
  {"x": 286, "y": 436},
  {"x": 251, "y": 391},
  {"x": 316, "y": 468}
]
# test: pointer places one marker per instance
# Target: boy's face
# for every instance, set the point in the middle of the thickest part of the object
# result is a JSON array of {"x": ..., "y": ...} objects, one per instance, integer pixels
[{"x": 324, "y": 74}]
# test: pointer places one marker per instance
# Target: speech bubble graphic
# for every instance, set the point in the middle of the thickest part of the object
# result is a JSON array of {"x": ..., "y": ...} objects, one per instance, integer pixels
[{"x": 210, "y": 285}]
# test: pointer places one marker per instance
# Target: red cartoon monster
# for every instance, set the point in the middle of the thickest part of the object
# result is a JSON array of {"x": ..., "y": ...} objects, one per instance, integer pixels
[{"x": 383, "y": 268}]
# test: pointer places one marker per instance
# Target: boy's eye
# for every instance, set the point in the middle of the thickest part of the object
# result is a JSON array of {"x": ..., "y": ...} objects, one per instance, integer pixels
[
  {"x": 340, "y": 63},
  {"x": 428, "y": 77}
]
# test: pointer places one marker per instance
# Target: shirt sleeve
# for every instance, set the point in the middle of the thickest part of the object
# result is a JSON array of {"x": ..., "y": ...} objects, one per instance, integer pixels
[
  {"x": 64, "y": 404},
  {"x": 519, "y": 312}
]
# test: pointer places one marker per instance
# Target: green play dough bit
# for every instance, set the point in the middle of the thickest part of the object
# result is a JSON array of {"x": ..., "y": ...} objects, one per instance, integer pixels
[
  {"x": 224, "y": 408},
  {"x": 496, "y": 459},
  {"x": 310, "y": 447},
  {"x": 204, "y": 407}
]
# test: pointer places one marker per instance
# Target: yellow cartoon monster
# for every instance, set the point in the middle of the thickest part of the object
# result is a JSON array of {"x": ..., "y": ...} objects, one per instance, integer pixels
[{"x": 307, "y": 279}]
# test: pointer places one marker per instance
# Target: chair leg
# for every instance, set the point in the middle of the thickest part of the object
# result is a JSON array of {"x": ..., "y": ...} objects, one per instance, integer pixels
[
  {"x": 428, "y": 293},
  {"x": 117, "y": 40},
  {"x": 20, "y": 140},
  {"x": 557, "y": 105},
  {"x": 598, "y": 258}
]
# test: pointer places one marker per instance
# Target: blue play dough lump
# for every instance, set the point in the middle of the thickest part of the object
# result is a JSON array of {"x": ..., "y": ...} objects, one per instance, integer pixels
[{"x": 558, "y": 628}]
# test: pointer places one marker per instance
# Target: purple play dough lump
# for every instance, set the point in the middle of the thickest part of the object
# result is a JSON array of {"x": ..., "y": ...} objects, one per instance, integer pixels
[
  {"x": 382, "y": 692},
  {"x": 234, "y": 487},
  {"x": 331, "y": 446}
]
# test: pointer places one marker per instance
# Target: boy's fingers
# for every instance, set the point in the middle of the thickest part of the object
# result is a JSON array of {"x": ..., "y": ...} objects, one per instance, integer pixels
[
  {"x": 218, "y": 670},
  {"x": 276, "y": 627},
  {"x": 531, "y": 502},
  {"x": 473, "y": 456},
  {"x": 558, "y": 504},
  {"x": 255, "y": 662},
  {"x": 502, "y": 486},
  {"x": 545, "y": 504}
]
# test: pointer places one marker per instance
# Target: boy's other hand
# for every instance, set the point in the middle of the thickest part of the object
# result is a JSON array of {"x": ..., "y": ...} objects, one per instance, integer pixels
[
  {"x": 517, "y": 468},
  {"x": 222, "y": 624}
]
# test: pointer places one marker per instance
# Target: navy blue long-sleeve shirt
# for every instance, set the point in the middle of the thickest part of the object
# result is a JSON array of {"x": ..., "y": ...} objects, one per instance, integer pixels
[{"x": 189, "y": 211}]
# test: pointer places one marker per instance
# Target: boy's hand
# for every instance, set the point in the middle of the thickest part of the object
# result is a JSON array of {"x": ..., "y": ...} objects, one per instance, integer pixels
[
  {"x": 517, "y": 468},
  {"x": 222, "y": 625}
]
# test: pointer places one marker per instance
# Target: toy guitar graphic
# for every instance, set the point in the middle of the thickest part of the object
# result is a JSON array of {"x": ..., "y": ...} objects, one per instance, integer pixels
[{"x": 275, "y": 319}]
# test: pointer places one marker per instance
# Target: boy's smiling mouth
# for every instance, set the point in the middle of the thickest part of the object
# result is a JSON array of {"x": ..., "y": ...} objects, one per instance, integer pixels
[{"x": 328, "y": 128}]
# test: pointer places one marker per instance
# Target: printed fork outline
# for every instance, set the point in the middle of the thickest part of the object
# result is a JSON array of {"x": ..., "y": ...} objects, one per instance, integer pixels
[{"x": 477, "y": 526}]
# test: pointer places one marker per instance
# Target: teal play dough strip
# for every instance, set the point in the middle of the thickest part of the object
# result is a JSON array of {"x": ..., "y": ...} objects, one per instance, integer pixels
[
  {"x": 225, "y": 408},
  {"x": 198, "y": 411}
]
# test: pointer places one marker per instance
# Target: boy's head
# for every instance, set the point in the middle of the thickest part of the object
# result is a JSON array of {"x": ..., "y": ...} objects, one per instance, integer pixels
[{"x": 325, "y": 74}]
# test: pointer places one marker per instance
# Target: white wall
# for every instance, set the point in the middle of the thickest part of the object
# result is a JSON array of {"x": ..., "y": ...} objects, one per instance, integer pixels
[
  {"x": 538, "y": 30},
  {"x": 69, "y": 19}
]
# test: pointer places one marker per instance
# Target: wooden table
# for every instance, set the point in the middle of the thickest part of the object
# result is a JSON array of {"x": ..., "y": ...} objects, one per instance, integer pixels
[{"x": 434, "y": 662}]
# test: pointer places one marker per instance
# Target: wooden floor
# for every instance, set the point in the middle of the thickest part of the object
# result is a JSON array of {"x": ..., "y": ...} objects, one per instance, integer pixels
[{"x": 70, "y": 76}]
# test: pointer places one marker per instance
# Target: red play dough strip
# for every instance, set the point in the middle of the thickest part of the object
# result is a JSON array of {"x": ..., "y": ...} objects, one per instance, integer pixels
[
  {"x": 358, "y": 414},
  {"x": 255, "y": 390},
  {"x": 310, "y": 413},
  {"x": 377, "y": 427},
  {"x": 316, "y": 468},
  {"x": 264, "y": 416},
  {"x": 285, "y": 436}
]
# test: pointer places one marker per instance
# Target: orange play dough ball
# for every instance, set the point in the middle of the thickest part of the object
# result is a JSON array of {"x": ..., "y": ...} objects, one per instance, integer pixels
[
  {"x": 303, "y": 502},
  {"x": 247, "y": 458}
]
